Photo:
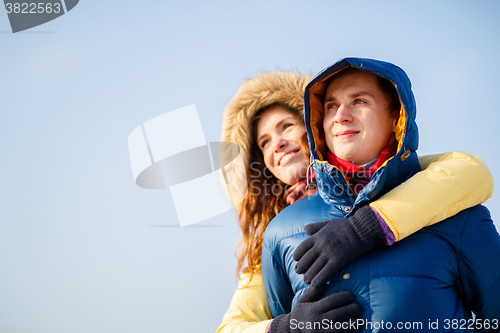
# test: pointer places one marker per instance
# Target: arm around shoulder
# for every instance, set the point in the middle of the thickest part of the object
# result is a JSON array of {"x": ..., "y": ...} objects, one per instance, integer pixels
[
  {"x": 248, "y": 311},
  {"x": 447, "y": 184}
]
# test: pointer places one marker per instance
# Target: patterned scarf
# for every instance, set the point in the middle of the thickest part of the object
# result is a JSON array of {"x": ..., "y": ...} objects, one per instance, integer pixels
[
  {"x": 300, "y": 191},
  {"x": 358, "y": 176}
]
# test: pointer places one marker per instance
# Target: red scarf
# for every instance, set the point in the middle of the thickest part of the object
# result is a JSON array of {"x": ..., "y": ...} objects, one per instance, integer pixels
[
  {"x": 356, "y": 175},
  {"x": 299, "y": 191}
]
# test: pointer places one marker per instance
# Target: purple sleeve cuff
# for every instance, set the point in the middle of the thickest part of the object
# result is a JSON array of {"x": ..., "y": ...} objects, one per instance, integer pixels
[
  {"x": 268, "y": 330},
  {"x": 389, "y": 235}
]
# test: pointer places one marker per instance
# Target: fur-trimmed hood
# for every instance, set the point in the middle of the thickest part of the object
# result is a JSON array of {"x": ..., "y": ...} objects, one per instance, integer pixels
[{"x": 286, "y": 88}]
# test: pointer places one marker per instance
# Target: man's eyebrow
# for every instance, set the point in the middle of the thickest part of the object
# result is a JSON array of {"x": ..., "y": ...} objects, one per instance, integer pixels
[
  {"x": 329, "y": 99},
  {"x": 353, "y": 95},
  {"x": 360, "y": 93}
]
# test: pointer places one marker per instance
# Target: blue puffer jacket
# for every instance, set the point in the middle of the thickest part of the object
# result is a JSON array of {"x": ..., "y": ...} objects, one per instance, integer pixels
[{"x": 440, "y": 273}]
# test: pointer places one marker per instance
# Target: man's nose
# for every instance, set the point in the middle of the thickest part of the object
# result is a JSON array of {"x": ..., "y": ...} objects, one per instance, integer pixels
[{"x": 343, "y": 114}]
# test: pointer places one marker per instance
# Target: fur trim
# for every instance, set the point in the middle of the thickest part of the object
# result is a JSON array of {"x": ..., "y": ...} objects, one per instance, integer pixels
[{"x": 281, "y": 87}]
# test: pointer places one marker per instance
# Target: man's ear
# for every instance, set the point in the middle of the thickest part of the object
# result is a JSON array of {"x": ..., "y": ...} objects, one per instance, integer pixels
[{"x": 396, "y": 119}]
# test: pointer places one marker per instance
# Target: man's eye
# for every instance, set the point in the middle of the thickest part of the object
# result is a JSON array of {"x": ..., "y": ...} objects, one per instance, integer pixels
[
  {"x": 358, "y": 101},
  {"x": 331, "y": 106}
]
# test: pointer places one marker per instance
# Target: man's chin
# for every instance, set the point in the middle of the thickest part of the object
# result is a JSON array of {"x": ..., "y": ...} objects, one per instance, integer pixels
[{"x": 347, "y": 156}]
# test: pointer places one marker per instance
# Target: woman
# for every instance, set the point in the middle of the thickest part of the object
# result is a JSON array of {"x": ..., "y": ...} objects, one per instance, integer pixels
[{"x": 265, "y": 118}]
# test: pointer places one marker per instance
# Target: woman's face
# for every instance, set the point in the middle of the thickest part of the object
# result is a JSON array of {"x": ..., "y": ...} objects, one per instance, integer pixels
[{"x": 278, "y": 135}]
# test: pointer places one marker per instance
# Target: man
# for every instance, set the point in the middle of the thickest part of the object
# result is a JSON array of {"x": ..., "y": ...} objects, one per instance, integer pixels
[{"x": 363, "y": 142}]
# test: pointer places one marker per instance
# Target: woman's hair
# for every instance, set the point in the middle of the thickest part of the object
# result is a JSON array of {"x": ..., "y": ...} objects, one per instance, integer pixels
[
  {"x": 264, "y": 199},
  {"x": 240, "y": 118}
]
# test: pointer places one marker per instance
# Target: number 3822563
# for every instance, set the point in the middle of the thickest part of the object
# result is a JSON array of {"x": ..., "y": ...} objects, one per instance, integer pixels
[
  {"x": 471, "y": 324},
  {"x": 33, "y": 8}
]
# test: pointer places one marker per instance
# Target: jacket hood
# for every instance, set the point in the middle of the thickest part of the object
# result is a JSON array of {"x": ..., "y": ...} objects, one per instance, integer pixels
[
  {"x": 399, "y": 168},
  {"x": 286, "y": 88}
]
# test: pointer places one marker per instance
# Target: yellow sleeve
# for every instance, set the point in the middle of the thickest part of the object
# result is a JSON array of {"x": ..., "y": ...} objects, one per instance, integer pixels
[
  {"x": 447, "y": 184},
  {"x": 248, "y": 311}
]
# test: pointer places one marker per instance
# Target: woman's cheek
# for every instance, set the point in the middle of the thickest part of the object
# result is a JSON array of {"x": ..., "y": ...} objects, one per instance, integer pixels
[{"x": 267, "y": 161}]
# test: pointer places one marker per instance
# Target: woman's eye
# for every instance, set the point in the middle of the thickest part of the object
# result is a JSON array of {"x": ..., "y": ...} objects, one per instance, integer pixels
[
  {"x": 263, "y": 144},
  {"x": 287, "y": 125}
]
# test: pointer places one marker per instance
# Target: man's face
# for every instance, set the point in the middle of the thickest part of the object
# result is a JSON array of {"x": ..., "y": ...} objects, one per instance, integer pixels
[{"x": 358, "y": 124}]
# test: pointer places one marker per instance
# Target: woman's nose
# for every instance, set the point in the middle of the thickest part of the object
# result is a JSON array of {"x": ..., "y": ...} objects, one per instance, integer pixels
[{"x": 280, "y": 144}]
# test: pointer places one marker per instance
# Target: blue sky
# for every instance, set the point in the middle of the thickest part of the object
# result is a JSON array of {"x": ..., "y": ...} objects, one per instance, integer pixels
[{"x": 78, "y": 248}]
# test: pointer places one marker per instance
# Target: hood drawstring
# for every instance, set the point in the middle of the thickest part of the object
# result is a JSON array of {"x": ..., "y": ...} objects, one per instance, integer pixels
[
  {"x": 311, "y": 182},
  {"x": 405, "y": 155}
]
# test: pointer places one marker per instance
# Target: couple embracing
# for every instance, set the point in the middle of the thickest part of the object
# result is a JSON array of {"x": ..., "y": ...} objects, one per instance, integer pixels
[{"x": 348, "y": 250}]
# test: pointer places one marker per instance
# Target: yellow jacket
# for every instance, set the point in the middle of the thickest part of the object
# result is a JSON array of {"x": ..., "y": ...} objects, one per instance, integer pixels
[{"x": 448, "y": 184}]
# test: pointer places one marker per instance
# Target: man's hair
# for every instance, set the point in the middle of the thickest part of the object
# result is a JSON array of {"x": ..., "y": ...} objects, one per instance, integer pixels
[{"x": 386, "y": 86}]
